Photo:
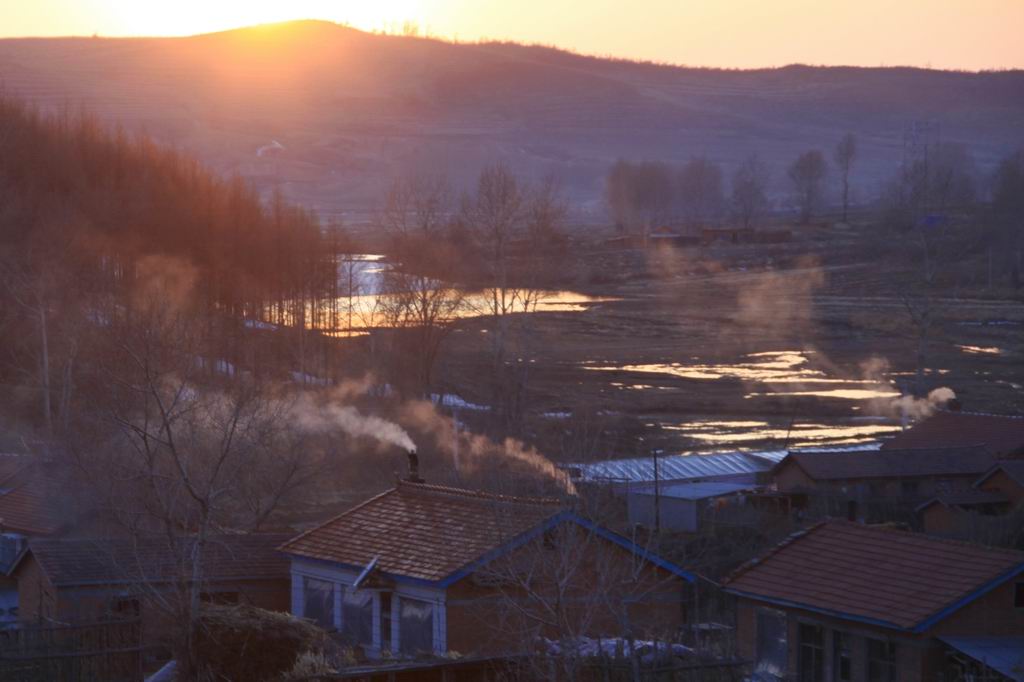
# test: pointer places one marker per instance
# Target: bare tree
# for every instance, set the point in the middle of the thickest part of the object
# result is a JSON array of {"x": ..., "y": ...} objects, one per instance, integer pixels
[
  {"x": 700, "y": 191},
  {"x": 844, "y": 155},
  {"x": 807, "y": 173},
  {"x": 640, "y": 194},
  {"x": 1008, "y": 218},
  {"x": 749, "y": 192},
  {"x": 573, "y": 588},
  {"x": 186, "y": 458}
]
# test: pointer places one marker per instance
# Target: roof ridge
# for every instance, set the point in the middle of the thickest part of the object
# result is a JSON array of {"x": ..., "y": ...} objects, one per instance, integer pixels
[
  {"x": 476, "y": 494},
  {"x": 761, "y": 558},
  {"x": 885, "y": 527}
]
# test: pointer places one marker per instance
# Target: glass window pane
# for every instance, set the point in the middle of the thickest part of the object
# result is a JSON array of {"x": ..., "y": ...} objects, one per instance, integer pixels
[
  {"x": 772, "y": 649},
  {"x": 416, "y": 626},
  {"x": 357, "y": 616},
  {"x": 319, "y": 603}
]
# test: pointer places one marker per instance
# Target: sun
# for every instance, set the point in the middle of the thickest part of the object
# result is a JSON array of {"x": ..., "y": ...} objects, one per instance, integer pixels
[{"x": 188, "y": 17}]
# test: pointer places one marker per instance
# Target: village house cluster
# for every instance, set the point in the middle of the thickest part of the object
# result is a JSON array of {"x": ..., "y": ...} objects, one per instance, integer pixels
[{"x": 897, "y": 562}]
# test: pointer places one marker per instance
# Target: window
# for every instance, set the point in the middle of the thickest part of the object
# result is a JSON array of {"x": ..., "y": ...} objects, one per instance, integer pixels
[
  {"x": 881, "y": 661},
  {"x": 811, "y": 660},
  {"x": 909, "y": 487},
  {"x": 772, "y": 651},
  {"x": 842, "y": 664},
  {"x": 1018, "y": 596},
  {"x": 357, "y": 616},
  {"x": 125, "y": 607},
  {"x": 416, "y": 626},
  {"x": 319, "y": 602},
  {"x": 385, "y": 620}
]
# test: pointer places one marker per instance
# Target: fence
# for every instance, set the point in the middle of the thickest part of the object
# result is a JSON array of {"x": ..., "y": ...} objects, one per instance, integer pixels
[{"x": 105, "y": 650}]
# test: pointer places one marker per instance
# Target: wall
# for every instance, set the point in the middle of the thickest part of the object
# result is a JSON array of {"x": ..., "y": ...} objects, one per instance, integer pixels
[
  {"x": 915, "y": 655},
  {"x": 604, "y": 591},
  {"x": 676, "y": 514}
]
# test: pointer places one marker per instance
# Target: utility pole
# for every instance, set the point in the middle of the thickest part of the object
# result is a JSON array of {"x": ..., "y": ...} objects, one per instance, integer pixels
[{"x": 657, "y": 492}]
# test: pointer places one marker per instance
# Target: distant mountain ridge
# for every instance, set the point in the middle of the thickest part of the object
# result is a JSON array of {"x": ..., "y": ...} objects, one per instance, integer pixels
[{"x": 350, "y": 109}]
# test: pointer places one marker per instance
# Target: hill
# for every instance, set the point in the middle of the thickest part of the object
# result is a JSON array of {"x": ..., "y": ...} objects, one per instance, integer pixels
[{"x": 328, "y": 113}]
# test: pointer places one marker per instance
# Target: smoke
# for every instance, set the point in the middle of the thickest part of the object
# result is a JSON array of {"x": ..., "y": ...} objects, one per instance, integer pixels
[
  {"x": 782, "y": 301},
  {"x": 331, "y": 413},
  {"x": 474, "y": 450},
  {"x": 909, "y": 407}
]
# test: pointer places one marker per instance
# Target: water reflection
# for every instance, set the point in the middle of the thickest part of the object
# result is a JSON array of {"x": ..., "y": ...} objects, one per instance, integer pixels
[
  {"x": 719, "y": 432},
  {"x": 773, "y": 367},
  {"x": 373, "y": 294}
]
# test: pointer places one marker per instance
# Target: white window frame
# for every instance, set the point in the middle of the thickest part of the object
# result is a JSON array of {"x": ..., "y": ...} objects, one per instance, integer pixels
[{"x": 344, "y": 578}]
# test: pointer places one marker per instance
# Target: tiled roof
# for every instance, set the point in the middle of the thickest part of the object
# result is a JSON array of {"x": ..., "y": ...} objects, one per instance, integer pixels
[
  {"x": 90, "y": 561},
  {"x": 1001, "y": 435},
  {"x": 421, "y": 531},
  {"x": 833, "y": 466},
  {"x": 874, "y": 574},
  {"x": 31, "y": 497}
]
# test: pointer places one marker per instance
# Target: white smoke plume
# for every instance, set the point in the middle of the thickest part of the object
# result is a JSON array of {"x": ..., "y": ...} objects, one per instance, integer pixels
[
  {"x": 330, "y": 413},
  {"x": 911, "y": 408},
  {"x": 478, "y": 449}
]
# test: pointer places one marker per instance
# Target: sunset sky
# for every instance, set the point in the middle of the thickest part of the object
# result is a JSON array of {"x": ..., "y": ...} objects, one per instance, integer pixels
[{"x": 967, "y": 34}]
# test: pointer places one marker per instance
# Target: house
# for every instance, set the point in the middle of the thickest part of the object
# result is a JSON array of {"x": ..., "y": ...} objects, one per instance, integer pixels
[
  {"x": 998, "y": 491},
  {"x": 1005, "y": 478},
  {"x": 911, "y": 475},
  {"x": 848, "y": 602},
  {"x": 89, "y": 579},
  {"x": 426, "y": 569},
  {"x": 34, "y": 502},
  {"x": 1002, "y": 436},
  {"x": 680, "y": 507},
  {"x": 942, "y": 514}
]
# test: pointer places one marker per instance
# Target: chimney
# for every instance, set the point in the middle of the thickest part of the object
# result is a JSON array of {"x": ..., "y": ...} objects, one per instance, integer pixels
[{"x": 414, "y": 468}]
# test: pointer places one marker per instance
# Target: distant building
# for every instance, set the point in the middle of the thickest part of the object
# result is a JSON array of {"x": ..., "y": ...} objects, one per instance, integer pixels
[
  {"x": 998, "y": 491},
  {"x": 746, "y": 468},
  {"x": 429, "y": 569},
  {"x": 940, "y": 515},
  {"x": 848, "y": 602},
  {"x": 680, "y": 507},
  {"x": 1005, "y": 478},
  {"x": 89, "y": 579},
  {"x": 1001, "y": 436},
  {"x": 899, "y": 475}
]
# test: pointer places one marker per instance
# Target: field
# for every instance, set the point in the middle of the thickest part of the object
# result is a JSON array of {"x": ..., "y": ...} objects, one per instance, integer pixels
[{"x": 745, "y": 346}]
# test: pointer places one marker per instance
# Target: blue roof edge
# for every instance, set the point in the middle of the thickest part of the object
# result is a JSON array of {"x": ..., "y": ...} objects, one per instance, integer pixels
[
  {"x": 969, "y": 597},
  {"x": 550, "y": 523},
  {"x": 922, "y": 626}
]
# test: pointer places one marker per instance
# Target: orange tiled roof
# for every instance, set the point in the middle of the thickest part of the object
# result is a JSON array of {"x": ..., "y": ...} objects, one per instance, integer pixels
[
  {"x": 422, "y": 531},
  {"x": 874, "y": 574},
  {"x": 1000, "y": 435}
]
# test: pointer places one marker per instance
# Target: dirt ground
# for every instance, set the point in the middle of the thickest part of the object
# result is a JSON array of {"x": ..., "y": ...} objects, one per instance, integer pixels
[{"x": 743, "y": 346}]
